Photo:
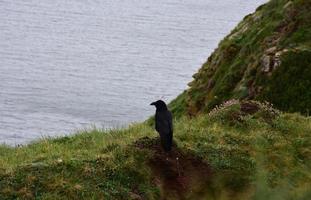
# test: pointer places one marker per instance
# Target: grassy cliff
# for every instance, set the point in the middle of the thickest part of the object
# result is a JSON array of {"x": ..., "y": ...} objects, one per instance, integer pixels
[
  {"x": 228, "y": 149},
  {"x": 267, "y": 57},
  {"x": 238, "y": 151}
]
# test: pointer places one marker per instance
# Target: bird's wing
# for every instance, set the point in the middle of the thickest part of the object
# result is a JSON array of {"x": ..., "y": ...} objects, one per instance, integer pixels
[
  {"x": 170, "y": 121},
  {"x": 164, "y": 122}
]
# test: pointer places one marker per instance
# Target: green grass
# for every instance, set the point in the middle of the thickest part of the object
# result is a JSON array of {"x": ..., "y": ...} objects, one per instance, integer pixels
[
  {"x": 289, "y": 87},
  {"x": 89, "y": 165},
  {"x": 259, "y": 153},
  {"x": 235, "y": 68},
  {"x": 178, "y": 105},
  {"x": 250, "y": 155},
  {"x": 85, "y": 145}
]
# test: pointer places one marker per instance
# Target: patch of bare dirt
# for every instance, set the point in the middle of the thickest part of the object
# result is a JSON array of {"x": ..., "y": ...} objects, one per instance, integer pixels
[{"x": 179, "y": 175}]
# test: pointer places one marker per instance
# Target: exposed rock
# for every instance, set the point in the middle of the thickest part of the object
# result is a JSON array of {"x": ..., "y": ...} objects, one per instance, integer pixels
[
  {"x": 272, "y": 61},
  {"x": 277, "y": 58},
  {"x": 240, "y": 31},
  {"x": 278, "y": 54},
  {"x": 251, "y": 90},
  {"x": 134, "y": 196},
  {"x": 210, "y": 84},
  {"x": 271, "y": 50},
  {"x": 266, "y": 63},
  {"x": 257, "y": 16},
  {"x": 288, "y": 5},
  {"x": 39, "y": 164}
]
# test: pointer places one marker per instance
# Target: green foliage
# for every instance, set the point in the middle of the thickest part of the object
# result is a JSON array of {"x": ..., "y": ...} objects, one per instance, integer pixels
[
  {"x": 236, "y": 69},
  {"x": 289, "y": 86},
  {"x": 178, "y": 105}
]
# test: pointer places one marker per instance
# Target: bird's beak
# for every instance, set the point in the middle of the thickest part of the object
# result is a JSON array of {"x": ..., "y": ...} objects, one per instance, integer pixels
[{"x": 152, "y": 104}]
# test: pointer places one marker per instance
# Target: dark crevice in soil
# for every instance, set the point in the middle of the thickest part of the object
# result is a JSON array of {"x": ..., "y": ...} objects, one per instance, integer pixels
[{"x": 179, "y": 175}]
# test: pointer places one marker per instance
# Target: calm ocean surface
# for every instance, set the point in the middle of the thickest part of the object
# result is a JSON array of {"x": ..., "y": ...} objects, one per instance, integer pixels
[{"x": 73, "y": 64}]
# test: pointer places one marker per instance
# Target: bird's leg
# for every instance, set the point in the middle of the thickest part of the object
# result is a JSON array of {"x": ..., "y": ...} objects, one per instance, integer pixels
[
  {"x": 177, "y": 164},
  {"x": 167, "y": 154}
]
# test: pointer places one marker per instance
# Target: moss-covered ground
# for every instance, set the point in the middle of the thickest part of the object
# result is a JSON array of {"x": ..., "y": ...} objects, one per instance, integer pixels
[
  {"x": 237, "y": 151},
  {"x": 266, "y": 57}
]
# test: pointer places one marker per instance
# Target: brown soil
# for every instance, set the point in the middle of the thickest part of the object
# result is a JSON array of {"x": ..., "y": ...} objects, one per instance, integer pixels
[
  {"x": 249, "y": 107},
  {"x": 178, "y": 175}
]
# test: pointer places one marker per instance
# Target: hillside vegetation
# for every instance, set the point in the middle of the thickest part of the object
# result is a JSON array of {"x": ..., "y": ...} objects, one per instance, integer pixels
[
  {"x": 239, "y": 151},
  {"x": 227, "y": 146},
  {"x": 267, "y": 57}
]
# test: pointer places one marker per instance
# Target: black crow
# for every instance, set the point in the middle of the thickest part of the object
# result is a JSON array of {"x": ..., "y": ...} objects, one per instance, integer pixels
[{"x": 164, "y": 124}]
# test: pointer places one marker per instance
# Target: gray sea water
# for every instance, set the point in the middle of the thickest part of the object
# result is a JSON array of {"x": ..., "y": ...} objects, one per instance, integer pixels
[{"x": 73, "y": 64}]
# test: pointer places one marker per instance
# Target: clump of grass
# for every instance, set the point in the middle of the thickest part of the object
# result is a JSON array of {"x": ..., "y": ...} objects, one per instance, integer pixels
[{"x": 235, "y": 112}]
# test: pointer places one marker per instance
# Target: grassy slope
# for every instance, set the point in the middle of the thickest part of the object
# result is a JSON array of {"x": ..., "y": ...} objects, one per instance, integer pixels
[
  {"x": 249, "y": 155},
  {"x": 266, "y": 57},
  {"x": 258, "y": 156}
]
